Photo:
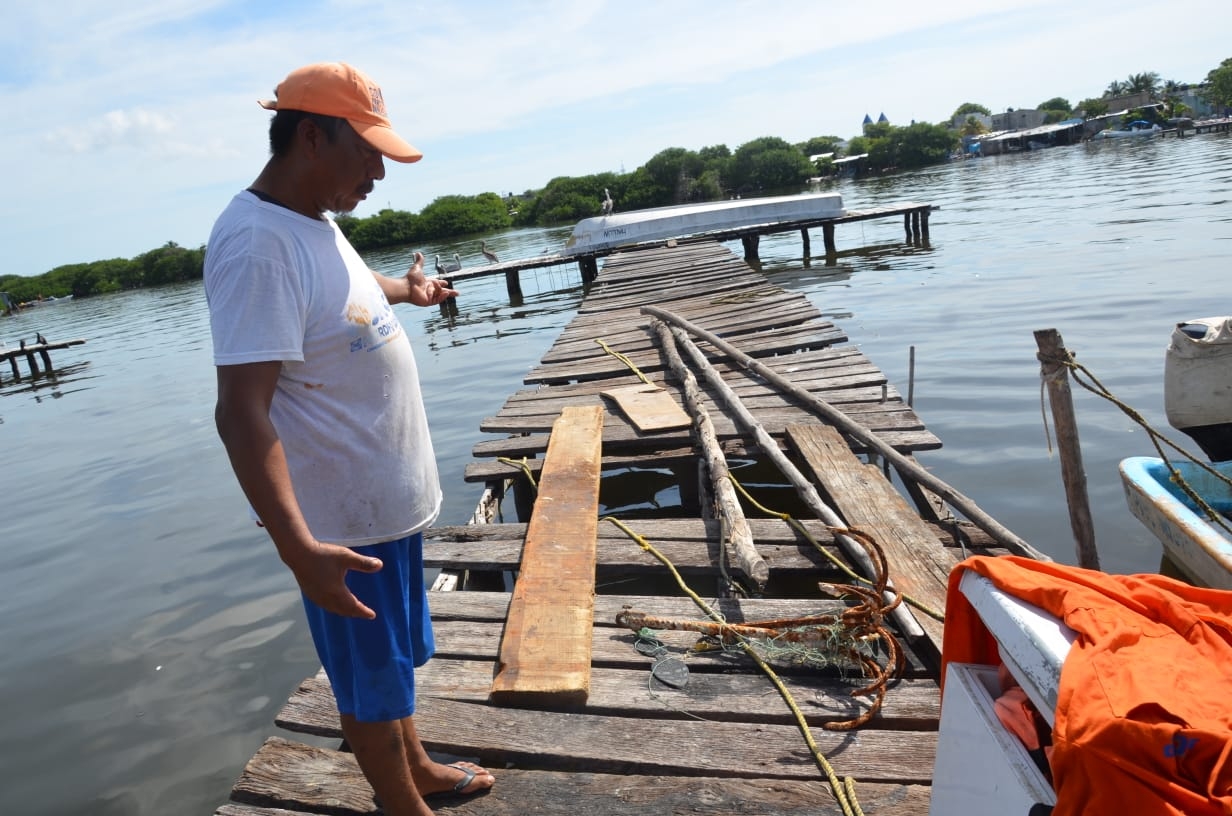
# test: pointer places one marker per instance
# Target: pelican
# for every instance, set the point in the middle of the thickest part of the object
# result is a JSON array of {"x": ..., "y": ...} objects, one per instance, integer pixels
[
  {"x": 607, "y": 202},
  {"x": 487, "y": 253},
  {"x": 452, "y": 267}
]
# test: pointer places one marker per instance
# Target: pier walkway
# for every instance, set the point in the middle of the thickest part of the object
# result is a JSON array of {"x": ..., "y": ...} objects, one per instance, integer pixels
[
  {"x": 915, "y": 227},
  {"x": 546, "y": 680}
]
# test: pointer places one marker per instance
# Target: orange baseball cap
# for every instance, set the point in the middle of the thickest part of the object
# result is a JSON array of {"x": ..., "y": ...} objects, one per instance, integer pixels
[{"x": 337, "y": 89}]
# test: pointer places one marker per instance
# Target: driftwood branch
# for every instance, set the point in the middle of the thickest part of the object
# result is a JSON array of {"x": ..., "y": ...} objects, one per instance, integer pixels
[
  {"x": 736, "y": 538},
  {"x": 904, "y": 465},
  {"x": 745, "y": 419}
]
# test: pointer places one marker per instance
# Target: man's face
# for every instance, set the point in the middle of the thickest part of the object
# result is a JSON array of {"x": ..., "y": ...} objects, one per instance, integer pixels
[{"x": 350, "y": 168}]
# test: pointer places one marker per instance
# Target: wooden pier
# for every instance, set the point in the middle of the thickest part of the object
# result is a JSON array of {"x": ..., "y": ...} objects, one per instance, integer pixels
[
  {"x": 915, "y": 227},
  {"x": 577, "y": 713},
  {"x": 40, "y": 349}
]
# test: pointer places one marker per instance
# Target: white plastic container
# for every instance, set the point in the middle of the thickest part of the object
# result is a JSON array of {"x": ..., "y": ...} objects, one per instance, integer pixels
[{"x": 1198, "y": 373}]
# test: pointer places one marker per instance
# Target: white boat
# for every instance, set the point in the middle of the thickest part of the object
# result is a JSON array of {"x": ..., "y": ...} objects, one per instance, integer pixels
[
  {"x": 659, "y": 223},
  {"x": 1198, "y": 402},
  {"x": 1135, "y": 128},
  {"x": 1193, "y": 543}
]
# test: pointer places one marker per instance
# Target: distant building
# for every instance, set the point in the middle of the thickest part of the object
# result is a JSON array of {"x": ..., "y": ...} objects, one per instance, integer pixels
[{"x": 1018, "y": 119}]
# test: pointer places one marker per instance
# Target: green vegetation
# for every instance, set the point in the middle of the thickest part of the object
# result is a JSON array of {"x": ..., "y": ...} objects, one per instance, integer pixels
[
  {"x": 169, "y": 263},
  {"x": 672, "y": 176},
  {"x": 1218, "y": 90},
  {"x": 968, "y": 108}
]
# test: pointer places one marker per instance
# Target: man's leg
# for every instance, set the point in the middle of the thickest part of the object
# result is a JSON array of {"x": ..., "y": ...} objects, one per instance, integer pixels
[
  {"x": 381, "y": 753},
  {"x": 434, "y": 777}
]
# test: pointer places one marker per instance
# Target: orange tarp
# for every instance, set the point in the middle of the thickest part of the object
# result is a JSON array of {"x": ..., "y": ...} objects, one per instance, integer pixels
[{"x": 1144, "y": 707}]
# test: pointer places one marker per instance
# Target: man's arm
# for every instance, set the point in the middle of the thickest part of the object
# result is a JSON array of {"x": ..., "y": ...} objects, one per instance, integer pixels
[
  {"x": 257, "y": 457},
  {"x": 414, "y": 287}
]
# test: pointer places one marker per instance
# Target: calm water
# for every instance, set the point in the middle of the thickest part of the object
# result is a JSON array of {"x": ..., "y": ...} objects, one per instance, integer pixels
[{"x": 151, "y": 634}]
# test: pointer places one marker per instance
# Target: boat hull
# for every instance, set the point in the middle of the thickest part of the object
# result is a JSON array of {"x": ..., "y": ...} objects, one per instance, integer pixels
[
  {"x": 1194, "y": 545},
  {"x": 638, "y": 226}
]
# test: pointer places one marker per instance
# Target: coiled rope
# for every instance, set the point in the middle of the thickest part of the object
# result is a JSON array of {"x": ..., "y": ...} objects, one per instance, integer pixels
[{"x": 844, "y": 789}]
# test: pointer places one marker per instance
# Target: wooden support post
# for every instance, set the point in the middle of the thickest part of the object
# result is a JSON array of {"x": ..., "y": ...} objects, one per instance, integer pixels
[
  {"x": 546, "y": 647},
  {"x": 808, "y": 247},
  {"x": 827, "y": 234},
  {"x": 924, "y": 213},
  {"x": 30, "y": 361},
  {"x": 907, "y": 224},
  {"x": 751, "y": 244},
  {"x": 449, "y": 306},
  {"x": 46, "y": 359},
  {"x": 513, "y": 285},
  {"x": 1052, "y": 357},
  {"x": 589, "y": 267},
  {"x": 13, "y": 364},
  {"x": 523, "y": 498}
]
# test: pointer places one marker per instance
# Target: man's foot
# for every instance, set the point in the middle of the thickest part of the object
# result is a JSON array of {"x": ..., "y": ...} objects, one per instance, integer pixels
[{"x": 461, "y": 778}]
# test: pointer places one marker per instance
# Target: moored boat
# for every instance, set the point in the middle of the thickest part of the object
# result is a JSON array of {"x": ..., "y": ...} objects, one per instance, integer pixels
[
  {"x": 1194, "y": 543},
  {"x": 659, "y": 223},
  {"x": 1136, "y": 128}
]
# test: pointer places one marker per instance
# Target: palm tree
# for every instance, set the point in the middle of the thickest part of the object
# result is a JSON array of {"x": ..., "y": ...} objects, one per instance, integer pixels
[
  {"x": 1146, "y": 82},
  {"x": 1116, "y": 88}
]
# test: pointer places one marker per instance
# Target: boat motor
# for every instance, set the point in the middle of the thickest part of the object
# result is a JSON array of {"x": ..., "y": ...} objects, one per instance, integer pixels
[{"x": 1198, "y": 384}]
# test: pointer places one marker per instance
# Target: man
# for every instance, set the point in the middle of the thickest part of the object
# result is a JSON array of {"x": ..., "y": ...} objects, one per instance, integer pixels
[{"x": 320, "y": 411}]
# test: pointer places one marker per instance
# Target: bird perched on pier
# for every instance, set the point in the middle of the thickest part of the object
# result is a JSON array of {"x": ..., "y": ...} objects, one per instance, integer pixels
[
  {"x": 40, "y": 338},
  {"x": 453, "y": 266},
  {"x": 487, "y": 253},
  {"x": 607, "y": 202}
]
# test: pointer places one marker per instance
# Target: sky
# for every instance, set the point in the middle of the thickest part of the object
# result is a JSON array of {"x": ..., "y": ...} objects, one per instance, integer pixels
[{"x": 132, "y": 123}]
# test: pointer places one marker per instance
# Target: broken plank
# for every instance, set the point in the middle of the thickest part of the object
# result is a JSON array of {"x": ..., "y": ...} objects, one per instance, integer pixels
[
  {"x": 650, "y": 408},
  {"x": 545, "y": 652}
]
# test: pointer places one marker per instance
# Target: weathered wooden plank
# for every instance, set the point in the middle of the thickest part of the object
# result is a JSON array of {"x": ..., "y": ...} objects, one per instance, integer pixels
[
  {"x": 618, "y": 427},
  {"x": 756, "y": 344},
  {"x": 789, "y": 555},
  {"x": 919, "y": 564},
  {"x": 285, "y": 774},
  {"x": 463, "y": 607},
  {"x": 553, "y": 740},
  {"x": 727, "y": 696},
  {"x": 545, "y": 652},
  {"x": 554, "y": 793},
  {"x": 620, "y": 437},
  {"x": 649, "y": 408}
]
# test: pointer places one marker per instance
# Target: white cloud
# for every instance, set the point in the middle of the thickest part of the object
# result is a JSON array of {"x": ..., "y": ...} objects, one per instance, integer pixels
[{"x": 144, "y": 104}]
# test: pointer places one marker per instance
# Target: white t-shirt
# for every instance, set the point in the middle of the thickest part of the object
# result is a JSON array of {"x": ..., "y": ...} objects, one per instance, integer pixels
[{"x": 348, "y": 408}]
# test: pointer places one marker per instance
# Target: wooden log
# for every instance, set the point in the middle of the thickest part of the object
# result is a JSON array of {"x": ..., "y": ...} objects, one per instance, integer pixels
[
  {"x": 736, "y": 537},
  {"x": 804, "y": 489},
  {"x": 545, "y": 653},
  {"x": 837, "y": 418},
  {"x": 808, "y": 247},
  {"x": 1052, "y": 357},
  {"x": 751, "y": 244},
  {"x": 827, "y": 234}
]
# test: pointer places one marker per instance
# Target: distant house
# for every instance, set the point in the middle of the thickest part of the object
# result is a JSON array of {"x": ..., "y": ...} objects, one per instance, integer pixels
[{"x": 1021, "y": 119}]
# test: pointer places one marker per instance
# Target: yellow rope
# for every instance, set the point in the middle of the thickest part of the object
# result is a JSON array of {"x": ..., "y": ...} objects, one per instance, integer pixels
[
  {"x": 800, "y": 528},
  {"x": 522, "y": 465},
  {"x": 609, "y": 350},
  {"x": 844, "y": 790},
  {"x": 1158, "y": 440}
]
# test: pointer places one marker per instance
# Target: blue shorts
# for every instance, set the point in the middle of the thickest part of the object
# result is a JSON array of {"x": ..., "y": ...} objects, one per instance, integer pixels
[{"x": 371, "y": 663}]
